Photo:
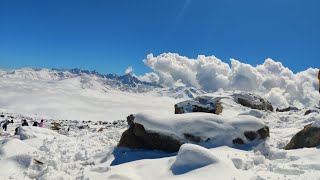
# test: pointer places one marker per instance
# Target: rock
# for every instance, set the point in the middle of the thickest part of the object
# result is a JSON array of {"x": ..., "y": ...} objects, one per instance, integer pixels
[
  {"x": 56, "y": 126},
  {"x": 238, "y": 141},
  {"x": 308, "y": 137},
  {"x": 310, "y": 111},
  {"x": 290, "y": 108},
  {"x": 250, "y": 135},
  {"x": 199, "y": 104},
  {"x": 130, "y": 119},
  {"x": 252, "y": 101},
  {"x": 264, "y": 132},
  {"x": 137, "y": 137}
]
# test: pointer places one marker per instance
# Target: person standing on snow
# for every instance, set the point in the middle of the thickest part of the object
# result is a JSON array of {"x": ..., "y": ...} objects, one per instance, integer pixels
[
  {"x": 41, "y": 124},
  {"x": 25, "y": 123},
  {"x": 5, "y": 124}
]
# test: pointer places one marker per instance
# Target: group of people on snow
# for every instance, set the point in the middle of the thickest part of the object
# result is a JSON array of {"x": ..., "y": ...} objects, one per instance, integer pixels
[{"x": 4, "y": 124}]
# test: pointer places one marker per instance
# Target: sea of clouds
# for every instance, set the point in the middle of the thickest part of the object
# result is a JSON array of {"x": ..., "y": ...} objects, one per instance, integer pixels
[{"x": 271, "y": 79}]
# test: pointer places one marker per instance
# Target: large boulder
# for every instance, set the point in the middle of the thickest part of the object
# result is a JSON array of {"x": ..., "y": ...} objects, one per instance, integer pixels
[
  {"x": 308, "y": 137},
  {"x": 169, "y": 132},
  {"x": 253, "y": 101},
  {"x": 138, "y": 138}
]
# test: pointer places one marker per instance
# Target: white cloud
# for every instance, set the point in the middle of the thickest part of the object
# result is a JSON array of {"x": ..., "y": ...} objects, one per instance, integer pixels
[
  {"x": 149, "y": 77},
  {"x": 270, "y": 79},
  {"x": 129, "y": 70}
]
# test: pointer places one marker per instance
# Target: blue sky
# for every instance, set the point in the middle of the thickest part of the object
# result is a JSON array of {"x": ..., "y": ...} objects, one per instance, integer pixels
[{"x": 109, "y": 36}]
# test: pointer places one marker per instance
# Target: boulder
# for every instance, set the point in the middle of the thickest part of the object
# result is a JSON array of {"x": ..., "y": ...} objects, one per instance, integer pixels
[
  {"x": 56, "y": 126},
  {"x": 290, "y": 108},
  {"x": 308, "y": 137},
  {"x": 310, "y": 111},
  {"x": 199, "y": 104},
  {"x": 252, "y": 101},
  {"x": 136, "y": 136}
]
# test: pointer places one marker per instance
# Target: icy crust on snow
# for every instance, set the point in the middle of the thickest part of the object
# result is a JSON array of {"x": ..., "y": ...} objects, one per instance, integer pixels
[{"x": 206, "y": 126}]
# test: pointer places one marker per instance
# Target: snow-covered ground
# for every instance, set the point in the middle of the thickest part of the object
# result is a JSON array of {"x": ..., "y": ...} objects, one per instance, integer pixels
[
  {"x": 91, "y": 115},
  {"x": 91, "y": 153},
  {"x": 68, "y": 99}
]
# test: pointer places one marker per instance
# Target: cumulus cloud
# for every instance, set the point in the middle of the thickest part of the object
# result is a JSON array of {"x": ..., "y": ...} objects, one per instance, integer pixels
[
  {"x": 270, "y": 79},
  {"x": 149, "y": 77},
  {"x": 129, "y": 70}
]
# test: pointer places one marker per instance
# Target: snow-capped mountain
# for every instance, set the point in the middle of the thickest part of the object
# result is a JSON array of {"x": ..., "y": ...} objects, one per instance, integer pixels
[{"x": 94, "y": 79}]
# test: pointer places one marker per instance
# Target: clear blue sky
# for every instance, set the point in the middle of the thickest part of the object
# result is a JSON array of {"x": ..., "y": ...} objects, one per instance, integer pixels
[{"x": 110, "y": 35}]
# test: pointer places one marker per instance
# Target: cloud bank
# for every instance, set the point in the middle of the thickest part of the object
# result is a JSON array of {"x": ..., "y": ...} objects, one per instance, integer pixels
[{"x": 270, "y": 79}]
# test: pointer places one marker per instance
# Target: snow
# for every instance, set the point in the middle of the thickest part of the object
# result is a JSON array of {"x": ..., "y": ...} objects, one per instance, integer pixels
[
  {"x": 316, "y": 121},
  {"x": 222, "y": 130},
  {"x": 92, "y": 152},
  {"x": 191, "y": 157},
  {"x": 67, "y": 99}
]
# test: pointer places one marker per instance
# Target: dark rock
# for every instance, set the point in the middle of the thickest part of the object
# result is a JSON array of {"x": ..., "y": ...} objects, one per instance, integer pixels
[
  {"x": 192, "y": 138},
  {"x": 264, "y": 132},
  {"x": 56, "y": 126},
  {"x": 137, "y": 137},
  {"x": 130, "y": 119},
  {"x": 290, "y": 108},
  {"x": 178, "y": 110},
  {"x": 250, "y": 135},
  {"x": 310, "y": 111},
  {"x": 238, "y": 141},
  {"x": 263, "y": 105},
  {"x": 308, "y": 137},
  {"x": 199, "y": 105}
]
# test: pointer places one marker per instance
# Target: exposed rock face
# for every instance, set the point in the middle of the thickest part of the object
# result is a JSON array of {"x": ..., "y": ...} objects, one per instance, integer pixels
[
  {"x": 253, "y": 101},
  {"x": 308, "y": 137},
  {"x": 137, "y": 137}
]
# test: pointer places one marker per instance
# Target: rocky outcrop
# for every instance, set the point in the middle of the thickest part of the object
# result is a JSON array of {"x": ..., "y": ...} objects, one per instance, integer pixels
[
  {"x": 138, "y": 138},
  {"x": 308, "y": 137}
]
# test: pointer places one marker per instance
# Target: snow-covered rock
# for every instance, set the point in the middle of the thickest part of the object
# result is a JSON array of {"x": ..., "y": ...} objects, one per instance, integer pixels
[
  {"x": 215, "y": 102},
  {"x": 151, "y": 130},
  {"x": 308, "y": 137}
]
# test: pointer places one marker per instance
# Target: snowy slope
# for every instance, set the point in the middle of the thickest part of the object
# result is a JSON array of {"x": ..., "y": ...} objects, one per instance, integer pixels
[{"x": 84, "y": 95}]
